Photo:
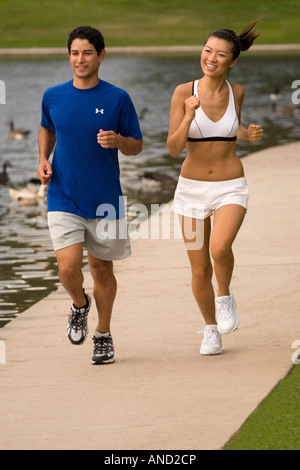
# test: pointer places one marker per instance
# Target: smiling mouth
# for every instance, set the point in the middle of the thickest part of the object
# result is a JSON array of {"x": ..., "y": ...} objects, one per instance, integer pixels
[{"x": 211, "y": 67}]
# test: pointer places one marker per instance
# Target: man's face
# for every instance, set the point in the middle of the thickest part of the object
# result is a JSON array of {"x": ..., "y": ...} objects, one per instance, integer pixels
[{"x": 84, "y": 59}]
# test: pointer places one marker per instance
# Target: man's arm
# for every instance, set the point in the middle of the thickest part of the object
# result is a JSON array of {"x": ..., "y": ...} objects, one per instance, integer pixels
[
  {"x": 46, "y": 140},
  {"x": 127, "y": 145}
]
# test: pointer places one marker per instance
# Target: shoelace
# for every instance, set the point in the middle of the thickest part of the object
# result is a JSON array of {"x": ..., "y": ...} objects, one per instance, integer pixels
[
  {"x": 102, "y": 345},
  {"x": 210, "y": 334},
  {"x": 77, "y": 320},
  {"x": 224, "y": 309}
]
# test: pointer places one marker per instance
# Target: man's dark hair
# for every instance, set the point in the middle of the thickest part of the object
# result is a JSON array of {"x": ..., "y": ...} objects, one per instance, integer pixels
[{"x": 93, "y": 35}]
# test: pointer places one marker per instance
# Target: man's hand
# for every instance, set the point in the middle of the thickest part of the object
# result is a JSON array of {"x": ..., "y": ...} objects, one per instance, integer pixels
[
  {"x": 44, "y": 172},
  {"x": 108, "y": 139},
  {"x": 47, "y": 140},
  {"x": 127, "y": 145}
]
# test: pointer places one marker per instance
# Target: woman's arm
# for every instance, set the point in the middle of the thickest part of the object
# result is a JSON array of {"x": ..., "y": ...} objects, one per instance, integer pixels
[
  {"x": 182, "y": 113},
  {"x": 254, "y": 133}
]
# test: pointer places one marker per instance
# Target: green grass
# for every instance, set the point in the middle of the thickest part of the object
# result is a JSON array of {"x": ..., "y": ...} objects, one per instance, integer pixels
[
  {"x": 275, "y": 424},
  {"x": 46, "y": 23}
]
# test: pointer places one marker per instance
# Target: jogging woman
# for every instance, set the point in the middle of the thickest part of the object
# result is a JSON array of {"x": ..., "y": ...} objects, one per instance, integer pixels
[{"x": 205, "y": 118}]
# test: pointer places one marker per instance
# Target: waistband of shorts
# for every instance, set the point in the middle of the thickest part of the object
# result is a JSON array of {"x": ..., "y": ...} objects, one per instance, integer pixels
[{"x": 210, "y": 184}]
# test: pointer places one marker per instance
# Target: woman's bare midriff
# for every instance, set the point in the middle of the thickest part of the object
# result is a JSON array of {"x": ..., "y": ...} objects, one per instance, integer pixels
[{"x": 212, "y": 161}]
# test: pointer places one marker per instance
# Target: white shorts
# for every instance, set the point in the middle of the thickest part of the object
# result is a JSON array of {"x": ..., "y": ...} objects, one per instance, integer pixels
[
  {"x": 104, "y": 239},
  {"x": 199, "y": 199}
]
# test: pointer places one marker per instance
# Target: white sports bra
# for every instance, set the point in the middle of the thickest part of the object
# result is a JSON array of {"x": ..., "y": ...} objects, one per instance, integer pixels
[{"x": 203, "y": 129}]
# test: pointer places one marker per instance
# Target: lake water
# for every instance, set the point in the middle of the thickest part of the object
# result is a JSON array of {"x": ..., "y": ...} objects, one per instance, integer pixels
[{"x": 28, "y": 268}]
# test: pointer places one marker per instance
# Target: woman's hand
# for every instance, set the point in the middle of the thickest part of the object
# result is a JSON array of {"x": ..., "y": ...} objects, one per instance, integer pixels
[
  {"x": 191, "y": 104},
  {"x": 255, "y": 133},
  {"x": 182, "y": 113}
]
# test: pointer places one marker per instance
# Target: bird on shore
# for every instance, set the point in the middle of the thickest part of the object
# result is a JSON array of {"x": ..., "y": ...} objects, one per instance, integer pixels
[
  {"x": 275, "y": 96},
  {"x": 28, "y": 197},
  {"x": 286, "y": 110},
  {"x": 142, "y": 113},
  {"x": 154, "y": 179},
  {"x": 4, "y": 178},
  {"x": 17, "y": 134}
]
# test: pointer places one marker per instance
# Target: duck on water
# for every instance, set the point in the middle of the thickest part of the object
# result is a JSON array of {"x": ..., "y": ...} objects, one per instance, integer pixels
[
  {"x": 17, "y": 134},
  {"x": 4, "y": 178}
]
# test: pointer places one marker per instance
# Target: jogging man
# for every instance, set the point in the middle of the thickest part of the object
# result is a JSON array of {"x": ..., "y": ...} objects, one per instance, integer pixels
[{"x": 87, "y": 120}]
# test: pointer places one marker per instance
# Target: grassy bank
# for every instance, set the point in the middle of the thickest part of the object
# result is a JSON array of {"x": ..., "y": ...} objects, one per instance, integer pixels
[
  {"x": 46, "y": 23},
  {"x": 275, "y": 425}
]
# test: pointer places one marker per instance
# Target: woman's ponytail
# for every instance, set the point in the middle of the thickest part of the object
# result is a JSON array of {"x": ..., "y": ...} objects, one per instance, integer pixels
[{"x": 248, "y": 36}]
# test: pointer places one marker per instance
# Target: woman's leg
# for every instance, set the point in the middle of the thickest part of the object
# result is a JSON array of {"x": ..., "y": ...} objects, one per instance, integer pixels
[
  {"x": 227, "y": 222},
  {"x": 200, "y": 265}
]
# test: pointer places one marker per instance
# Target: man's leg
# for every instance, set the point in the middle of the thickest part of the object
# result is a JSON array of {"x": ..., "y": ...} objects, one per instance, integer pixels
[
  {"x": 105, "y": 288},
  {"x": 70, "y": 274},
  {"x": 69, "y": 262}
]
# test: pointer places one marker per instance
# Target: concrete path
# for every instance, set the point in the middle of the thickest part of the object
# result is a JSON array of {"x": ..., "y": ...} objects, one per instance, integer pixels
[{"x": 160, "y": 394}]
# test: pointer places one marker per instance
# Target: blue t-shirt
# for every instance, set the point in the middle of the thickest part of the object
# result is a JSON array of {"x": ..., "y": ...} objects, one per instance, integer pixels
[{"x": 84, "y": 175}]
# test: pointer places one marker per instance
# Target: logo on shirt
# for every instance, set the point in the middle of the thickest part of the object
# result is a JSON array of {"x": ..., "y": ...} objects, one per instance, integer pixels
[{"x": 99, "y": 111}]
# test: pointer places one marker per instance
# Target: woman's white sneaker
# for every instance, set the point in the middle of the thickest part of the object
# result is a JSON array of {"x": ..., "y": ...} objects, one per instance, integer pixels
[
  {"x": 226, "y": 314},
  {"x": 212, "y": 342}
]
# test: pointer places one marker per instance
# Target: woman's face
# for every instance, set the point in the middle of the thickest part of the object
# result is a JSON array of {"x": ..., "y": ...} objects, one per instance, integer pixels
[{"x": 217, "y": 57}]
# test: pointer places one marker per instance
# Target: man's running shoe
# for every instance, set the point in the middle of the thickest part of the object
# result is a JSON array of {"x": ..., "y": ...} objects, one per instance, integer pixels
[
  {"x": 226, "y": 314},
  {"x": 103, "y": 349},
  {"x": 212, "y": 342},
  {"x": 77, "y": 328}
]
